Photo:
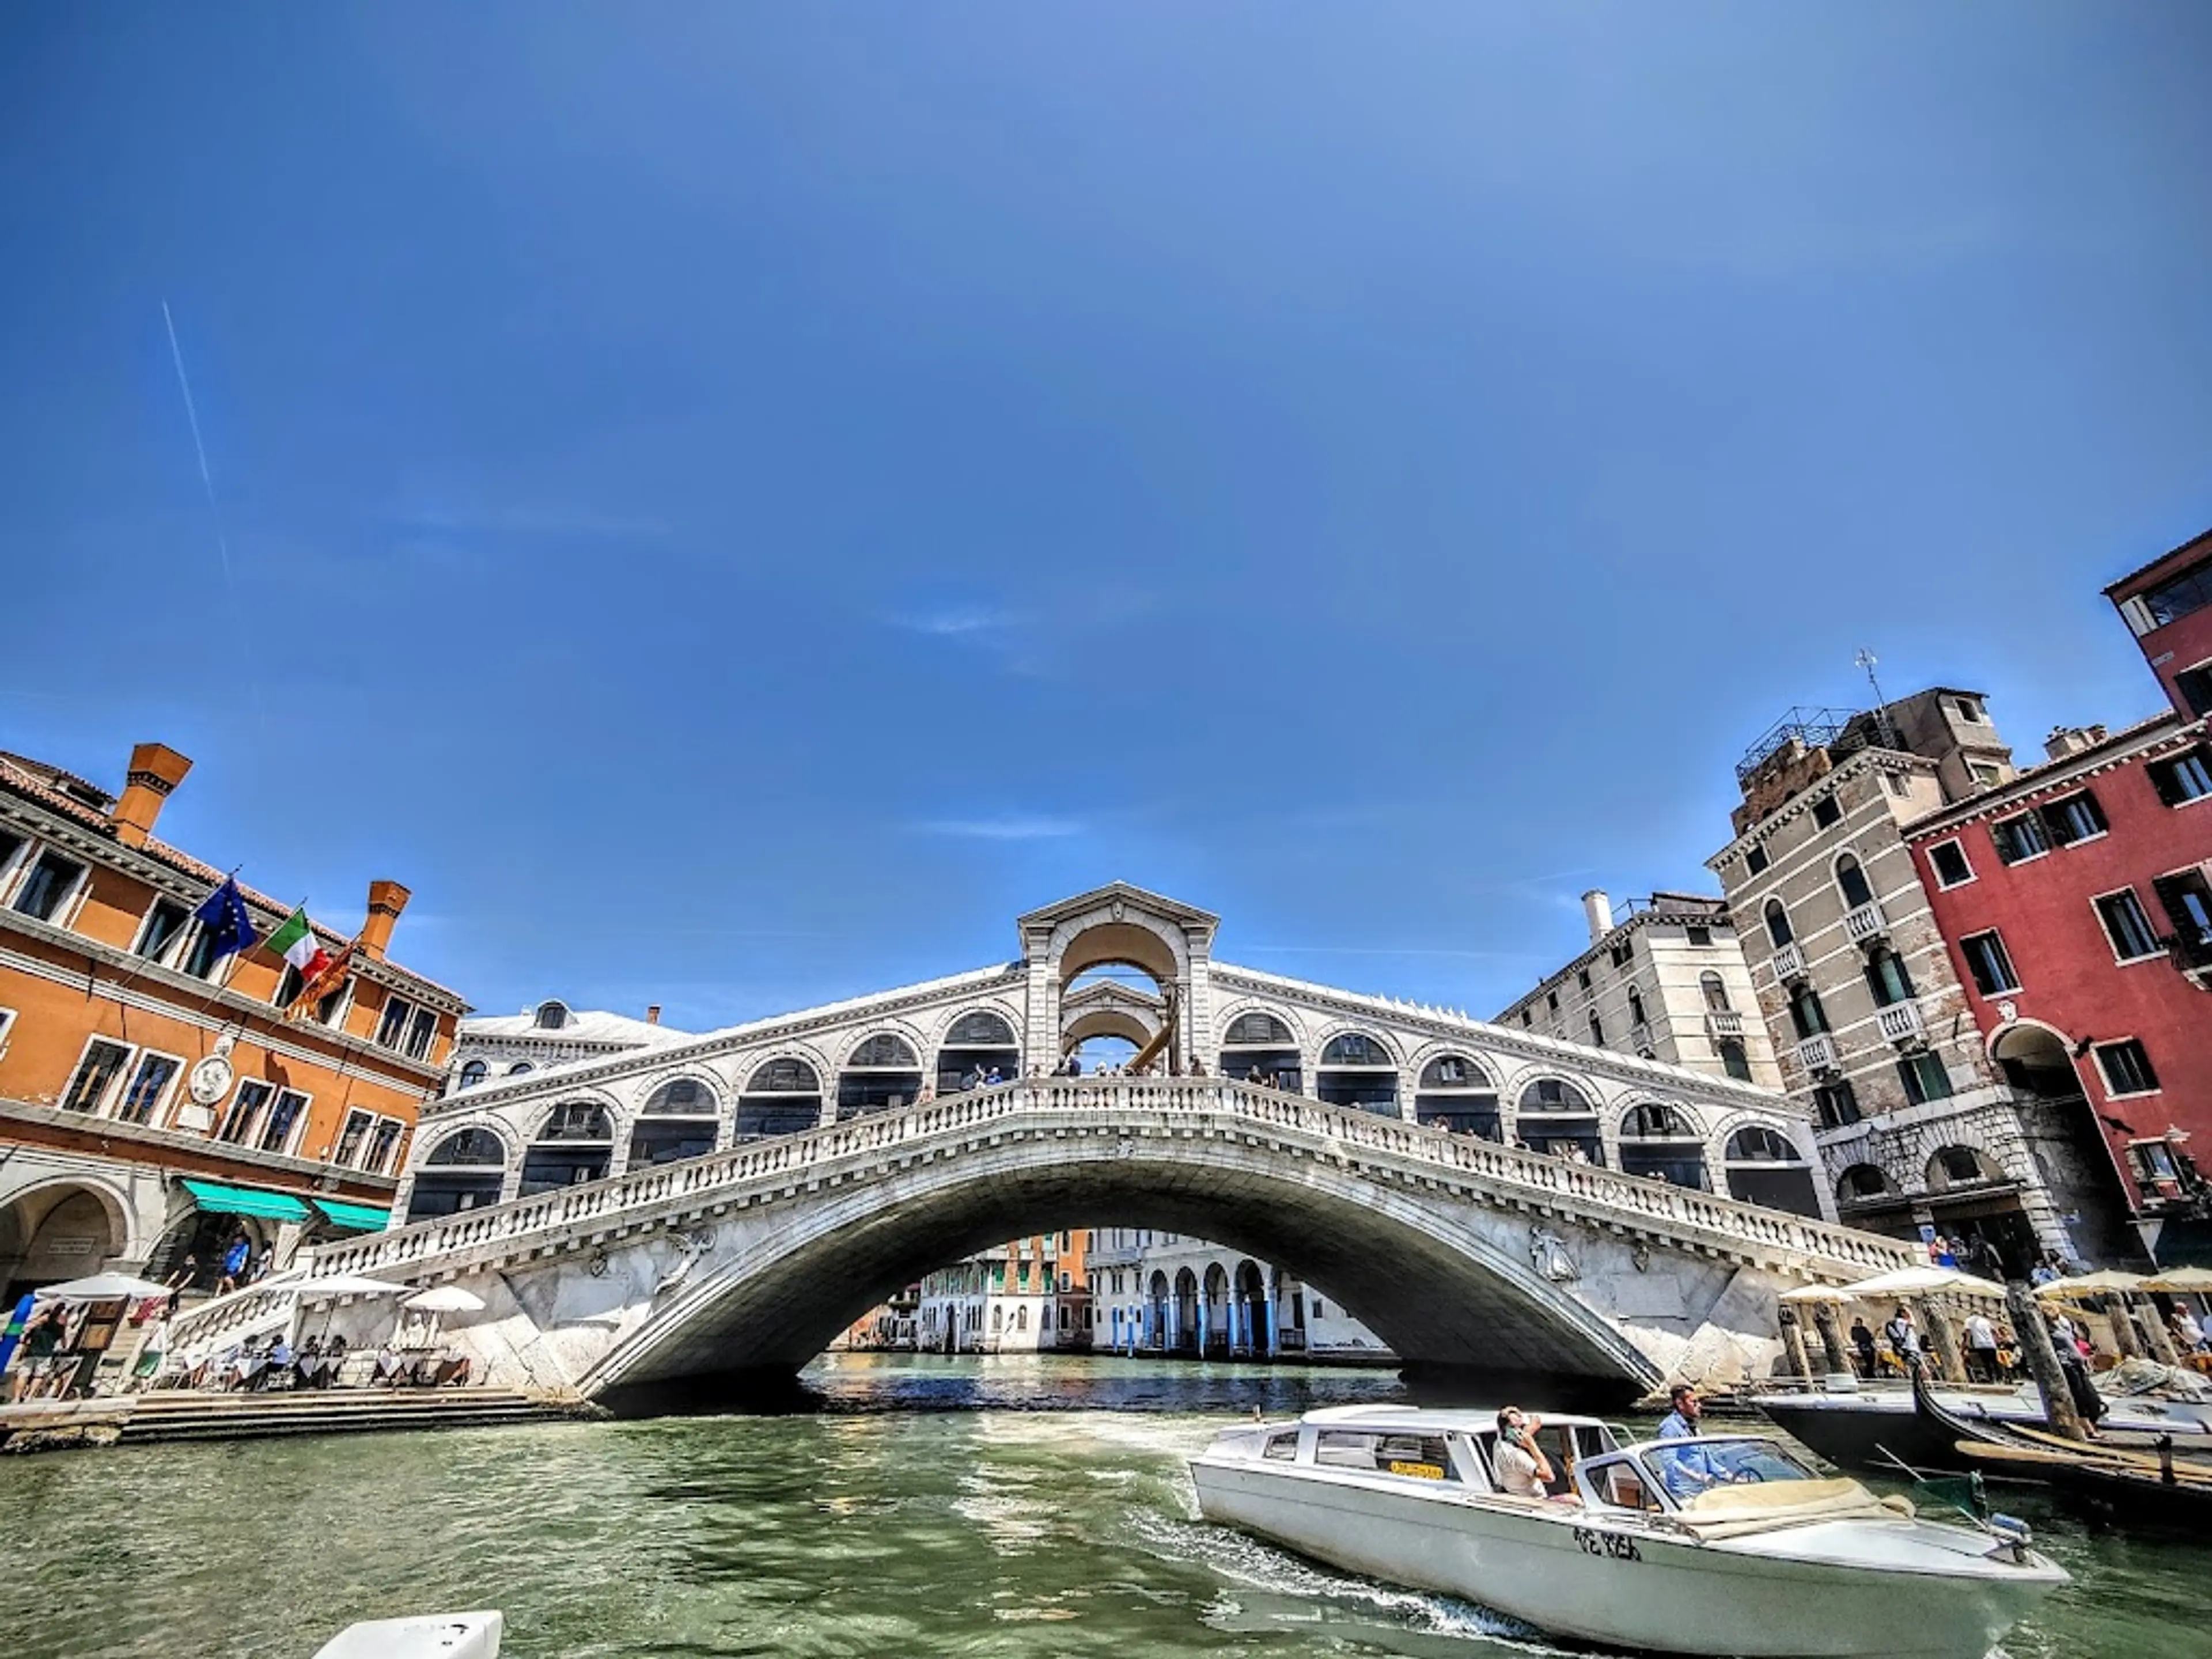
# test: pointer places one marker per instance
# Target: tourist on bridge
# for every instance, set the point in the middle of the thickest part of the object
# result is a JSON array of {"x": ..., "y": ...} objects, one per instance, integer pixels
[
  {"x": 1681, "y": 1423},
  {"x": 234, "y": 1258}
]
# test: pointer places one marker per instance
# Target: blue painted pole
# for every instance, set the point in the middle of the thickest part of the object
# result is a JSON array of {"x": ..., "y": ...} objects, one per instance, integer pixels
[
  {"x": 1205, "y": 1319},
  {"x": 1271, "y": 1326}
]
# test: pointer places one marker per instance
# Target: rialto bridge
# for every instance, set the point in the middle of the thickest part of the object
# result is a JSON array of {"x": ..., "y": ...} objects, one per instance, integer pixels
[{"x": 665, "y": 1221}]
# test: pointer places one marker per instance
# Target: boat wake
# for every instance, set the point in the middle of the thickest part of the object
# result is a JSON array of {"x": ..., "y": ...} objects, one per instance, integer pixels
[{"x": 1274, "y": 1587}]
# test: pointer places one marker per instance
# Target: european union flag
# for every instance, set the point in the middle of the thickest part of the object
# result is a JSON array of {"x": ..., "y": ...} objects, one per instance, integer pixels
[{"x": 230, "y": 929}]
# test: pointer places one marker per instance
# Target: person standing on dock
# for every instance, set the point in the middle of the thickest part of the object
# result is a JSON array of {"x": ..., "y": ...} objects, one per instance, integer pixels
[
  {"x": 1863, "y": 1340},
  {"x": 1981, "y": 1349}
]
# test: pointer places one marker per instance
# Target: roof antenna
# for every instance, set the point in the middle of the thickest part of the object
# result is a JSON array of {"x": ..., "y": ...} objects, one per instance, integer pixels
[{"x": 1867, "y": 660}]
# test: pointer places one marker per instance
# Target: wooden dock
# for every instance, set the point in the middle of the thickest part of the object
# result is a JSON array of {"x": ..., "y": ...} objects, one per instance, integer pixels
[{"x": 167, "y": 1415}]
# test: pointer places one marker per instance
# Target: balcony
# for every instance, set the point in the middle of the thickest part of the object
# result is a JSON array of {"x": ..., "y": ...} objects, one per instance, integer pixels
[
  {"x": 1788, "y": 962},
  {"x": 1900, "y": 1022},
  {"x": 1817, "y": 1053},
  {"x": 1721, "y": 1022},
  {"x": 1867, "y": 923}
]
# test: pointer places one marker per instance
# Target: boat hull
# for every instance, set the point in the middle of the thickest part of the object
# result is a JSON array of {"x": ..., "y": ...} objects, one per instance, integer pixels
[
  {"x": 1603, "y": 1578},
  {"x": 1877, "y": 1432}
]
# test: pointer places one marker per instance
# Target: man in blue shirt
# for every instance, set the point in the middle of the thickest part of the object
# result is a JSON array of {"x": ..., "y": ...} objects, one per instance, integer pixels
[{"x": 1681, "y": 1423}]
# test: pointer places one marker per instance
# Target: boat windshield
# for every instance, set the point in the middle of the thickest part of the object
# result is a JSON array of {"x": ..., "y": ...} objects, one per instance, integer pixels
[{"x": 1686, "y": 1468}]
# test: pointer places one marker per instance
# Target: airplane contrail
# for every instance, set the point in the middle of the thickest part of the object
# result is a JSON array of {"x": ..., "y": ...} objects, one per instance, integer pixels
[{"x": 206, "y": 479}]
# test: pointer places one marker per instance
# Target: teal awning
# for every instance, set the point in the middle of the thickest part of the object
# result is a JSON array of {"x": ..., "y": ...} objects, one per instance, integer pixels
[
  {"x": 246, "y": 1200},
  {"x": 356, "y": 1217}
]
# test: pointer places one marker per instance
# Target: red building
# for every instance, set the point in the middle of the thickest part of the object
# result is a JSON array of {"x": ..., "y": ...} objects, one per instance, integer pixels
[
  {"x": 2074, "y": 902},
  {"x": 2169, "y": 605}
]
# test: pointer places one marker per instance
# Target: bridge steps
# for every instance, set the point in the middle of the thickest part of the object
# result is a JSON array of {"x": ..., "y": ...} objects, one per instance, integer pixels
[{"x": 182, "y": 1415}]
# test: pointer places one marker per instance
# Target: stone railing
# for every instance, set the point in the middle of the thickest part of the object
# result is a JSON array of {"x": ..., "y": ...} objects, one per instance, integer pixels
[
  {"x": 202, "y": 1331},
  {"x": 1109, "y": 1105}
]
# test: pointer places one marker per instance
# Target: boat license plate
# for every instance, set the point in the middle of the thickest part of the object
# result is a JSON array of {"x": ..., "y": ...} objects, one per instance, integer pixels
[{"x": 1612, "y": 1545}]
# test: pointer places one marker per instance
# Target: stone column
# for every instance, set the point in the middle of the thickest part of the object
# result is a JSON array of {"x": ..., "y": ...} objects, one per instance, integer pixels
[{"x": 2034, "y": 1339}]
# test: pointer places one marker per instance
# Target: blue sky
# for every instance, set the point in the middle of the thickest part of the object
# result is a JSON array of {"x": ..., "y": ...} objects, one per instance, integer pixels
[{"x": 731, "y": 504}]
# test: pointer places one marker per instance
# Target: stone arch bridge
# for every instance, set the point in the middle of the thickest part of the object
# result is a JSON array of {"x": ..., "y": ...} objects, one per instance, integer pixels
[{"x": 682, "y": 1281}]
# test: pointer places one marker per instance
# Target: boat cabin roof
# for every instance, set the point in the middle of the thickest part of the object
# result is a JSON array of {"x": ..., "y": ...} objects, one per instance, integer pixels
[{"x": 1418, "y": 1420}]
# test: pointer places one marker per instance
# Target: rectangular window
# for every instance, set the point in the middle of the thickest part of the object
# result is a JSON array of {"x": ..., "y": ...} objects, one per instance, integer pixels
[
  {"x": 1898, "y": 783},
  {"x": 1621, "y": 953},
  {"x": 284, "y": 1118},
  {"x": 1987, "y": 961},
  {"x": 384, "y": 1145},
  {"x": 243, "y": 1115},
  {"x": 1983, "y": 774},
  {"x": 1948, "y": 860},
  {"x": 392, "y": 1028},
  {"x": 1699, "y": 935},
  {"x": 1755, "y": 859},
  {"x": 2152, "y": 1161},
  {"x": 1826, "y": 811},
  {"x": 2195, "y": 685},
  {"x": 2126, "y": 925},
  {"x": 289, "y": 986},
  {"x": 1969, "y": 710},
  {"x": 10, "y": 844},
  {"x": 2072, "y": 819},
  {"x": 2186, "y": 898},
  {"x": 150, "y": 1086},
  {"x": 199, "y": 959},
  {"x": 421, "y": 1030},
  {"x": 1924, "y": 1078},
  {"x": 95, "y": 1076},
  {"x": 352, "y": 1137},
  {"x": 163, "y": 923},
  {"x": 1582, "y": 978},
  {"x": 7, "y": 1024},
  {"x": 1836, "y": 1104},
  {"x": 2180, "y": 596},
  {"x": 2186, "y": 777},
  {"x": 2020, "y": 839},
  {"x": 2126, "y": 1068},
  {"x": 51, "y": 879}
]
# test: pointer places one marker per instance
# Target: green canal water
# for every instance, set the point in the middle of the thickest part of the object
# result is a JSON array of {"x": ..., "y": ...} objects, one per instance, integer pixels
[{"x": 1005, "y": 1507}]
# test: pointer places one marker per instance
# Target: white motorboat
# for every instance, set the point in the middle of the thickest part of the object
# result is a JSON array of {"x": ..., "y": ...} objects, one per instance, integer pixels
[
  {"x": 436, "y": 1636},
  {"x": 1723, "y": 1545}
]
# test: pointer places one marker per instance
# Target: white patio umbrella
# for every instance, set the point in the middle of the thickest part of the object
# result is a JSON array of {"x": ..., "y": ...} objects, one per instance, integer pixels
[
  {"x": 344, "y": 1284},
  {"x": 2104, "y": 1282},
  {"x": 444, "y": 1298},
  {"x": 1930, "y": 1280},
  {"x": 102, "y": 1287}
]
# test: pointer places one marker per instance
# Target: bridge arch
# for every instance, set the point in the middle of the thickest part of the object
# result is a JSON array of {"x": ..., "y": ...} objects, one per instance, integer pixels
[{"x": 1122, "y": 1023}]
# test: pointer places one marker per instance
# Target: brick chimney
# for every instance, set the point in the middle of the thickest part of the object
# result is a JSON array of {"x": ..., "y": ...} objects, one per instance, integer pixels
[
  {"x": 652, "y": 1014},
  {"x": 386, "y": 899},
  {"x": 155, "y": 769}
]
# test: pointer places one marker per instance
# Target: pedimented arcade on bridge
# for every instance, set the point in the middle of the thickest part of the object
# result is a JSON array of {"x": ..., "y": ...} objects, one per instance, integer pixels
[{"x": 598, "y": 1117}]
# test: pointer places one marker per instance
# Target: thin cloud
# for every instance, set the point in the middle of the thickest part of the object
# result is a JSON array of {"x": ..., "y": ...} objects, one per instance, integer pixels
[
  {"x": 965, "y": 621},
  {"x": 1382, "y": 950},
  {"x": 1014, "y": 826},
  {"x": 526, "y": 521}
]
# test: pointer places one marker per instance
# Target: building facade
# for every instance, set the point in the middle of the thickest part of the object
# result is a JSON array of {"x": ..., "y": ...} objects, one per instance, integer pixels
[
  {"x": 588, "y": 1119},
  {"x": 1169, "y": 1293},
  {"x": 154, "y": 1101},
  {"x": 2167, "y": 606},
  {"x": 492, "y": 1046},
  {"x": 1918, "y": 1125},
  {"x": 1027, "y": 1296},
  {"x": 1668, "y": 982}
]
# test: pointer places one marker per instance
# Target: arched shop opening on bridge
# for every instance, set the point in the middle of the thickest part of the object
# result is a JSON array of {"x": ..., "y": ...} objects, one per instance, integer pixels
[
  {"x": 978, "y": 1045},
  {"x": 1260, "y": 1047},
  {"x": 463, "y": 1172},
  {"x": 1456, "y": 1093},
  {"x": 58, "y": 1231},
  {"x": 680, "y": 1119},
  {"x": 883, "y": 1074},
  {"x": 1765, "y": 1167},
  {"x": 575, "y": 1144},
  {"x": 1557, "y": 1118},
  {"x": 1358, "y": 1071},
  {"x": 782, "y": 1097},
  {"x": 1661, "y": 1142}
]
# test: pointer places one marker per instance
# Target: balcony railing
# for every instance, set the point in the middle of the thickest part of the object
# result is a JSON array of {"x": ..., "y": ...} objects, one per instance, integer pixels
[
  {"x": 1867, "y": 922},
  {"x": 1788, "y": 962},
  {"x": 1724, "y": 1023},
  {"x": 1817, "y": 1053},
  {"x": 1900, "y": 1022}
]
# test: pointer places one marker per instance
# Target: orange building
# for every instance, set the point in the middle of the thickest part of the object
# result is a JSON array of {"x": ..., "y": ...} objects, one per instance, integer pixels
[{"x": 155, "y": 1103}]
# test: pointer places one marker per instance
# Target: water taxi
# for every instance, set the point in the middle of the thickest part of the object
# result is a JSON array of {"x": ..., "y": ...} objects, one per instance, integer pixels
[{"x": 1726, "y": 1544}]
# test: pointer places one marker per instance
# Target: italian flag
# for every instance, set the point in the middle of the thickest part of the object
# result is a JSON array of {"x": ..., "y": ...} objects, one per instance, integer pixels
[{"x": 296, "y": 942}]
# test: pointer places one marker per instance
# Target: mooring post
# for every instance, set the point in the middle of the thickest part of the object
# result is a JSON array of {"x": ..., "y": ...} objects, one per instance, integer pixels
[
  {"x": 1940, "y": 1339},
  {"x": 1793, "y": 1344},
  {"x": 2034, "y": 1339},
  {"x": 1832, "y": 1343}
]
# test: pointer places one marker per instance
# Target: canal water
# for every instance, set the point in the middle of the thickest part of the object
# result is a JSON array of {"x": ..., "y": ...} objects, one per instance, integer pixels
[{"x": 930, "y": 1506}]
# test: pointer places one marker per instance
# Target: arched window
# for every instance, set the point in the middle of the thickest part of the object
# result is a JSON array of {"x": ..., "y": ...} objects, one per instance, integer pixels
[
  {"x": 782, "y": 1097},
  {"x": 1557, "y": 1118},
  {"x": 678, "y": 1121},
  {"x": 1260, "y": 1047},
  {"x": 1358, "y": 1071},
  {"x": 1596, "y": 1029},
  {"x": 1960, "y": 1166},
  {"x": 575, "y": 1146},
  {"x": 473, "y": 1073},
  {"x": 1636, "y": 1008},
  {"x": 883, "y": 1075},
  {"x": 1887, "y": 978},
  {"x": 1661, "y": 1143},
  {"x": 1851, "y": 883},
  {"x": 552, "y": 1016},
  {"x": 1806, "y": 1012},
  {"x": 1765, "y": 1167},
  {"x": 978, "y": 1046},
  {"x": 463, "y": 1172},
  {"x": 1861, "y": 1181},
  {"x": 1716, "y": 991},
  {"x": 1777, "y": 924},
  {"x": 519, "y": 1068},
  {"x": 1456, "y": 1093}
]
